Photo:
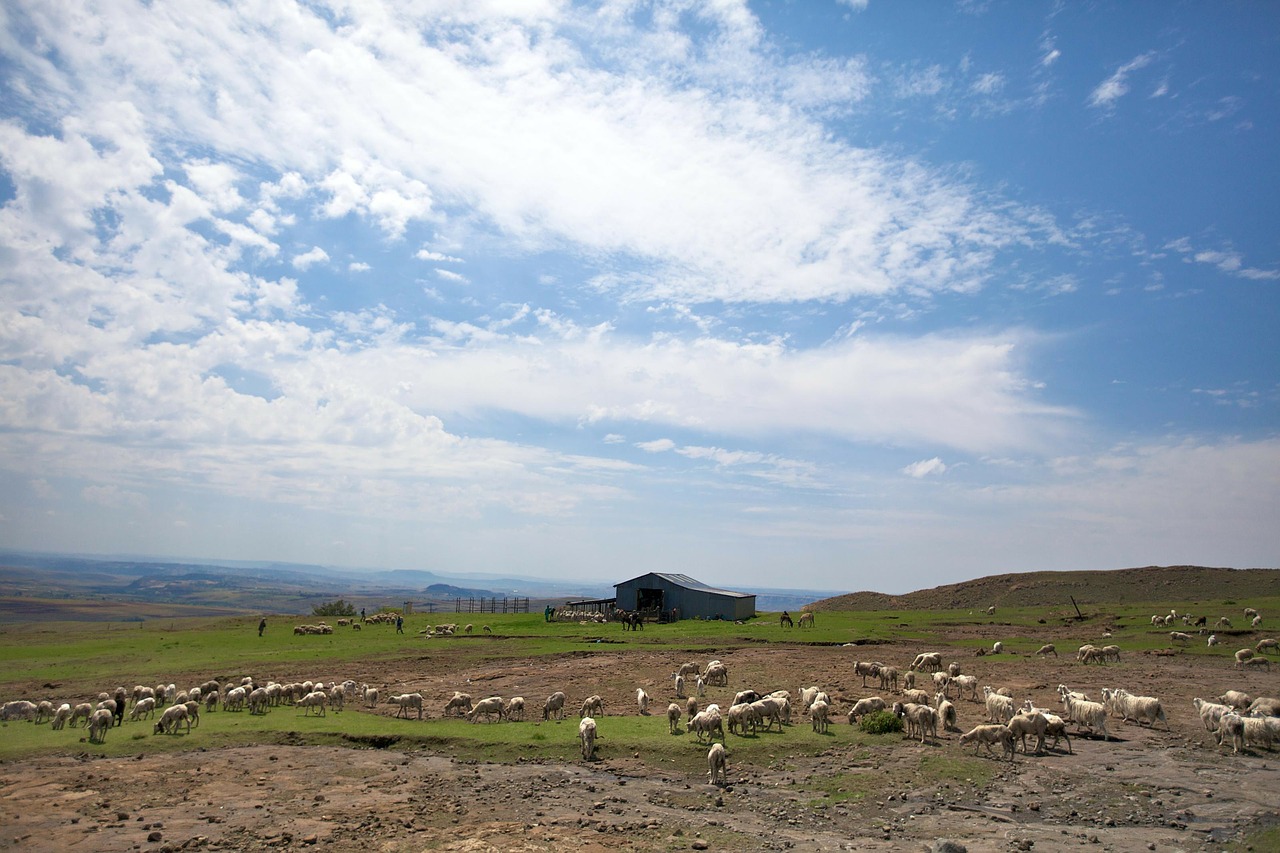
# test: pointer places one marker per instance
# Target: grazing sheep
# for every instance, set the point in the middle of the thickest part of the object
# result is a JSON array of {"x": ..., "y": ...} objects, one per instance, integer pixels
[
  {"x": 100, "y": 722},
  {"x": 988, "y": 734},
  {"x": 691, "y": 706},
  {"x": 1257, "y": 622},
  {"x": 1243, "y": 655},
  {"x": 61, "y": 716},
  {"x": 592, "y": 705},
  {"x": 1223, "y": 622},
  {"x": 1264, "y": 645},
  {"x": 997, "y": 648},
  {"x": 257, "y": 701},
  {"x": 587, "y": 736},
  {"x": 689, "y": 668},
  {"x": 991, "y": 610},
  {"x": 707, "y": 722},
  {"x": 405, "y": 703},
  {"x": 1047, "y": 649},
  {"x": 818, "y": 715},
  {"x": 19, "y": 709},
  {"x": 740, "y": 717},
  {"x": 642, "y": 701},
  {"x": 908, "y": 680},
  {"x": 1265, "y": 706},
  {"x": 489, "y": 708},
  {"x": 316, "y": 699},
  {"x": 234, "y": 699},
  {"x": 172, "y": 717},
  {"x": 1249, "y": 613},
  {"x": 805, "y": 620},
  {"x": 515, "y": 708},
  {"x": 143, "y": 708},
  {"x": 674, "y": 713},
  {"x": 889, "y": 678},
  {"x": 459, "y": 704},
  {"x": 1213, "y": 640},
  {"x": 717, "y": 674},
  {"x": 1231, "y": 724},
  {"x": 716, "y": 764},
  {"x": 865, "y": 706},
  {"x": 85, "y": 710},
  {"x": 770, "y": 710},
  {"x": 1236, "y": 699},
  {"x": 1179, "y": 637},
  {"x": 554, "y": 705},
  {"x": 1256, "y": 663},
  {"x": 210, "y": 699},
  {"x": 917, "y": 697}
]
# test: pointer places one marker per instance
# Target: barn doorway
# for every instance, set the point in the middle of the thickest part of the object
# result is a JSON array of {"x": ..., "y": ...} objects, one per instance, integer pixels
[{"x": 649, "y": 599}]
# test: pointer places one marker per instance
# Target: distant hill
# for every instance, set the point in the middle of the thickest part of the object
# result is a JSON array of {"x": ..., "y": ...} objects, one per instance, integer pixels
[{"x": 1052, "y": 589}]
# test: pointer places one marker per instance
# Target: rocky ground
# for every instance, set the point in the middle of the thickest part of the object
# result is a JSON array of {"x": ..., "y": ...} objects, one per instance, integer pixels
[{"x": 1151, "y": 789}]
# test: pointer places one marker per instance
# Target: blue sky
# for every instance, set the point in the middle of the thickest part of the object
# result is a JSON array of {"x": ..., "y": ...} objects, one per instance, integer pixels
[{"x": 843, "y": 295}]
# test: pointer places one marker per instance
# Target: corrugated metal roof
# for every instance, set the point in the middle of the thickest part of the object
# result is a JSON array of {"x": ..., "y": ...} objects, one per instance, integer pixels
[{"x": 689, "y": 583}]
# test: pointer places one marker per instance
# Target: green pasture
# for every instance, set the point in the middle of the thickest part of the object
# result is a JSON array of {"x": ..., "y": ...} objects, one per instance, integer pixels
[{"x": 82, "y": 658}]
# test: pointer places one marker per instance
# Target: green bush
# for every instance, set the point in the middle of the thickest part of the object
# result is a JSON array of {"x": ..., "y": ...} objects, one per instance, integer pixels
[
  {"x": 334, "y": 608},
  {"x": 880, "y": 723}
]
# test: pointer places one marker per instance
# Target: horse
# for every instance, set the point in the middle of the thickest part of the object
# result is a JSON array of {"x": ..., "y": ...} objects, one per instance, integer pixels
[{"x": 784, "y": 619}]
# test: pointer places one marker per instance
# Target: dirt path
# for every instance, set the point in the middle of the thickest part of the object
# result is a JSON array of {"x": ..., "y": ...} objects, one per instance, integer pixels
[{"x": 1152, "y": 789}]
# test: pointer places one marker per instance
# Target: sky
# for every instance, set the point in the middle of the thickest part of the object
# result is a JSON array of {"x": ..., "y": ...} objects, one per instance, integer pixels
[{"x": 832, "y": 294}]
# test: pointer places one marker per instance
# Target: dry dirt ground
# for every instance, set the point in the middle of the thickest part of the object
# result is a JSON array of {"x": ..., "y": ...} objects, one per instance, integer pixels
[{"x": 1151, "y": 789}]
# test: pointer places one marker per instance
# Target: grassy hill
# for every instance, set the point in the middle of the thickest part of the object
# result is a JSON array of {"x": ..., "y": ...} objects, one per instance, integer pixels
[{"x": 1055, "y": 589}]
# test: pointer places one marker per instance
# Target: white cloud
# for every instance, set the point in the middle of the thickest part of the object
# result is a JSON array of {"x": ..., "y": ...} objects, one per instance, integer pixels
[
  {"x": 658, "y": 445},
  {"x": 310, "y": 258},
  {"x": 925, "y": 468},
  {"x": 1117, "y": 85},
  {"x": 988, "y": 84},
  {"x": 358, "y": 266},
  {"x": 437, "y": 257}
]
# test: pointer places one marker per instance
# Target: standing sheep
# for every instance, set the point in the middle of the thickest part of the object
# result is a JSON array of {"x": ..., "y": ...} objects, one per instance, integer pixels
[
  {"x": 642, "y": 701},
  {"x": 98, "y": 725},
  {"x": 587, "y": 736},
  {"x": 716, "y": 764},
  {"x": 674, "y": 713},
  {"x": 554, "y": 705}
]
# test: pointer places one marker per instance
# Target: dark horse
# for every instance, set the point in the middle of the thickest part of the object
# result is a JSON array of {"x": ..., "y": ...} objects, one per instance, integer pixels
[
  {"x": 785, "y": 619},
  {"x": 631, "y": 620}
]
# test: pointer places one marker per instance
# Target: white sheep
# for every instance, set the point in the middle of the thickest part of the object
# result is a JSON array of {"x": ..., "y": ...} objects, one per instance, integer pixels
[
  {"x": 1136, "y": 708},
  {"x": 459, "y": 704},
  {"x": 642, "y": 701},
  {"x": 889, "y": 677},
  {"x": 1091, "y": 715},
  {"x": 865, "y": 706},
  {"x": 807, "y": 695},
  {"x": 1210, "y": 713},
  {"x": 716, "y": 764},
  {"x": 997, "y": 648},
  {"x": 707, "y": 722},
  {"x": 691, "y": 706},
  {"x": 515, "y": 708},
  {"x": 921, "y": 718},
  {"x": 701, "y": 686},
  {"x": 554, "y": 705},
  {"x": 1256, "y": 663},
  {"x": 717, "y": 674},
  {"x": 674, "y": 712},
  {"x": 1223, "y": 622},
  {"x": 257, "y": 701},
  {"x": 1213, "y": 640},
  {"x": 234, "y": 699},
  {"x": 405, "y": 703},
  {"x": 946, "y": 712},
  {"x": 1179, "y": 637},
  {"x": 85, "y": 710},
  {"x": 818, "y": 715},
  {"x": 1047, "y": 649},
  {"x": 1256, "y": 622},
  {"x": 19, "y": 709},
  {"x": 61, "y": 716},
  {"x": 680, "y": 694},
  {"x": 370, "y": 696},
  {"x": 1029, "y": 723},
  {"x": 587, "y": 736},
  {"x": 740, "y": 717},
  {"x": 999, "y": 708},
  {"x": 1236, "y": 699},
  {"x": 1261, "y": 731},
  {"x": 172, "y": 717},
  {"x": 986, "y": 735},
  {"x": 488, "y": 707},
  {"x": 1249, "y": 613},
  {"x": 1268, "y": 643},
  {"x": 143, "y": 708},
  {"x": 317, "y": 699},
  {"x": 917, "y": 697},
  {"x": 592, "y": 705},
  {"x": 927, "y": 661},
  {"x": 1265, "y": 706},
  {"x": 99, "y": 723},
  {"x": 1231, "y": 724},
  {"x": 965, "y": 685}
]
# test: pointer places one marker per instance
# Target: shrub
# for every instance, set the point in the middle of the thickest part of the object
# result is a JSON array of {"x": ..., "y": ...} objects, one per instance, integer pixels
[
  {"x": 880, "y": 723},
  {"x": 334, "y": 608}
]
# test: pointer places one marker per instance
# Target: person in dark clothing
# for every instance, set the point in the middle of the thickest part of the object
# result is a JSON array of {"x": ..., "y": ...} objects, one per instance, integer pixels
[
  {"x": 399, "y": 624},
  {"x": 262, "y": 626}
]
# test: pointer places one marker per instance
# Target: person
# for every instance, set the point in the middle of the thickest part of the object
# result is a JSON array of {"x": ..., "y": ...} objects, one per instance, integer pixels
[
  {"x": 399, "y": 624},
  {"x": 262, "y": 626},
  {"x": 361, "y": 614},
  {"x": 547, "y": 612}
]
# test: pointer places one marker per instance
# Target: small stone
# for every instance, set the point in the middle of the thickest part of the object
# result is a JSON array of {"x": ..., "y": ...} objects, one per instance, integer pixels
[
  {"x": 699, "y": 844},
  {"x": 155, "y": 836}
]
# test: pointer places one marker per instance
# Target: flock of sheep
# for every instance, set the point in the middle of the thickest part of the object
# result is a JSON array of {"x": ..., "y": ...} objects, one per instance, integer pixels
[{"x": 926, "y": 698}]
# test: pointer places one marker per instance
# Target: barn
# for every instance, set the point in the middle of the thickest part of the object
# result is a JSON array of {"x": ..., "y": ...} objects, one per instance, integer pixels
[{"x": 671, "y": 597}]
